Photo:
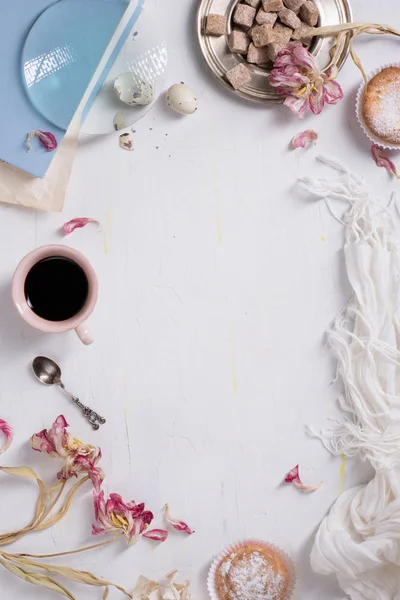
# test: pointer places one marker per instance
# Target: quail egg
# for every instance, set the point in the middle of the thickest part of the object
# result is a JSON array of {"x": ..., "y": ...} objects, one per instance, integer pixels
[
  {"x": 182, "y": 99},
  {"x": 133, "y": 91}
]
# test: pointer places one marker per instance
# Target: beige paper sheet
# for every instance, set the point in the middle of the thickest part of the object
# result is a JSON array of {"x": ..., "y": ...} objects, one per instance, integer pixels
[{"x": 21, "y": 188}]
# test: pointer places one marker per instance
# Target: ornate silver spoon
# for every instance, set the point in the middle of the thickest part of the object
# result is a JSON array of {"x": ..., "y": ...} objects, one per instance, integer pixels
[{"x": 49, "y": 373}]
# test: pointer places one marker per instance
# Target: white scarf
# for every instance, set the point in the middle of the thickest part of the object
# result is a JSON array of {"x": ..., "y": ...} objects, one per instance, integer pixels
[{"x": 359, "y": 540}]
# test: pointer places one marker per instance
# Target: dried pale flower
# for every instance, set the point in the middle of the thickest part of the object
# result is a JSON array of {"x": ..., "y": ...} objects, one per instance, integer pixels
[
  {"x": 297, "y": 76},
  {"x": 8, "y": 434},
  {"x": 70, "y": 226},
  {"x": 47, "y": 139},
  {"x": 126, "y": 142},
  {"x": 382, "y": 160},
  {"x": 294, "y": 477},
  {"x": 176, "y": 523},
  {"x": 168, "y": 589},
  {"x": 303, "y": 139},
  {"x": 130, "y": 519},
  {"x": 79, "y": 458}
]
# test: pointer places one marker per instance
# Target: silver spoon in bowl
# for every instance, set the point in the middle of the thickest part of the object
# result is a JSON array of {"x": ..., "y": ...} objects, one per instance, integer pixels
[{"x": 49, "y": 373}]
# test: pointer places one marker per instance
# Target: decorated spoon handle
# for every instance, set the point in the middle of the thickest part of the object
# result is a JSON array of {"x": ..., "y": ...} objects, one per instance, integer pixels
[{"x": 93, "y": 417}]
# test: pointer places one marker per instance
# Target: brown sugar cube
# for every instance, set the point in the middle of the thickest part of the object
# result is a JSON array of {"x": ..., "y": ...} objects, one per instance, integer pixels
[
  {"x": 253, "y": 3},
  {"x": 262, "y": 35},
  {"x": 238, "y": 76},
  {"x": 266, "y": 18},
  {"x": 257, "y": 56},
  {"x": 289, "y": 18},
  {"x": 302, "y": 34},
  {"x": 238, "y": 41},
  {"x": 215, "y": 25},
  {"x": 294, "y": 5},
  {"x": 244, "y": 15},
  {"x": 272, "y": 5},
  {"x": 274, "y": 49},
  {"x": 282, "y": 33},
  {"x": 309, "y": 13}
]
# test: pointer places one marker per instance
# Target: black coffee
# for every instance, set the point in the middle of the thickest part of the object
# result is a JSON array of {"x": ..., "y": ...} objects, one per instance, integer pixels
[{"x": 56, "y": 288}]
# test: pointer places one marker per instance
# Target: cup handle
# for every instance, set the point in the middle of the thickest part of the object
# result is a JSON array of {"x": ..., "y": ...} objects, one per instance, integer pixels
[{"x": 84, "y": 334}]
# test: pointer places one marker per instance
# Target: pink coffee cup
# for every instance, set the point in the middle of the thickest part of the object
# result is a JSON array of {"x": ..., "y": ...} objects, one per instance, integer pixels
[{"x": 78, "y": 321}]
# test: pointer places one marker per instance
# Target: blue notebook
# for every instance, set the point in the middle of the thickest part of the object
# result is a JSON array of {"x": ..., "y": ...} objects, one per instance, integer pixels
[{"x": 39, "y": 54}]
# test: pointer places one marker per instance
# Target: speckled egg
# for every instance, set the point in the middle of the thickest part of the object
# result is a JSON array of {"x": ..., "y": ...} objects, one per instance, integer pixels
[
  {"x": 182, "y": 99},
  {"x": 132, "y": 91}
]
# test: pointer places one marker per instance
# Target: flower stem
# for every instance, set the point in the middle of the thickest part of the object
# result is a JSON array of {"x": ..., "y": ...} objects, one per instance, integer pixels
[{"x": 106, "y": 543}]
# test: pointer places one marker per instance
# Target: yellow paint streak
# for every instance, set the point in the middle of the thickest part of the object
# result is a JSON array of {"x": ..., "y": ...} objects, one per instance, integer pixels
[
  {"x": 234, "y": 376},
  {"x": 322, "y": 238},
  {"x": 215, "y": 179},
  {"x": 107, "y": 233},
  {"x": 342, "y": 474}
]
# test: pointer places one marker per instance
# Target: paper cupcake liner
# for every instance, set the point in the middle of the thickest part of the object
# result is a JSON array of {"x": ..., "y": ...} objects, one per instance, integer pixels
[
  {"x": 371, "y": 136},
  {"x": 211, "y": 580}
]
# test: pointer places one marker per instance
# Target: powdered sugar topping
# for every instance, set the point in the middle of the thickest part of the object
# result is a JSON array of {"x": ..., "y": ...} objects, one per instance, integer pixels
[
  {"x": 384, "y": 116},
  {"x": 251, "y": 577}
]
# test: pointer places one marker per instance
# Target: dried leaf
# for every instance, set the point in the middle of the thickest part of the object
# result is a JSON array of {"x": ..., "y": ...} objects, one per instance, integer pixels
[
  {"x": 176, "y": 523},
  {"x": 25, "y": 472},
  {"x": 294, "y": 477},
  {"x": 382, "y": 160},
  {"x": 70, "y": 226},
  {"x": 106, "y": 592},
  {"x": 303, "y": 139},
  {"x": 64, "y": 509},
  {"x": 144, "y": 587},
  {"x": 7, "y": 431},
  {"x": 83, "y": 577},
  {"x": 38, "y": 579}
]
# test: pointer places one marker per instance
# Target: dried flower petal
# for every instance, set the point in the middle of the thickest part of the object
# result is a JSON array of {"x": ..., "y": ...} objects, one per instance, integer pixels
[
  {"x": 176, "y": 523},
  {"x": 159, "y": 535},
  {"x": 168, "y": 589},
  {"x": 70, "y": 226},
  {"x": 8, "y": 434},
  {"x": 47, "y": 139},
  {"x": 296, "y": 76},
  {"x": 294, "y": 477},
  {"x": 382, "y": 160},
  {"x": 79, "y": 458},
  {"x": 301, "y": 140},
  {"x": 117, "y": 516},
  {"x": 126, "y": 142}
]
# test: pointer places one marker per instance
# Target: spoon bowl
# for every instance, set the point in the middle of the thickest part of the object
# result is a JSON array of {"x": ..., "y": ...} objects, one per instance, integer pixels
[{"x": 46, "y": 370}]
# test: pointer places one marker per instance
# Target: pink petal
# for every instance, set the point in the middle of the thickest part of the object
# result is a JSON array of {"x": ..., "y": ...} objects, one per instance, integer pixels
[
  {"x": 41, "y": 443},
  {"x": 332, "y": 92},
  {"x": 70, "y": 226},
  {"x": 8, "y": 433},
  {"x": 316, "y": 100},
  {"x": 382, "y": 160},
  {"x": 301, "y": 140},
  {"x": 303, "y": 57},
  {"x": 332, "y": 72},
  {"x": 47, "y": 139},
  {"x": 98, "y": 530},
  {"x": 176, "y": 523},
  {"x": 159, "y": 535},
  {"x": 294, "y": 477},
  {"x": 298, "y": 106}
]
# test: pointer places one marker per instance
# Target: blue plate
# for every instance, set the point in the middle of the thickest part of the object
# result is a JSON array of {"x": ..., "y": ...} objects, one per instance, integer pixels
[{"x": 62, "y": 52}]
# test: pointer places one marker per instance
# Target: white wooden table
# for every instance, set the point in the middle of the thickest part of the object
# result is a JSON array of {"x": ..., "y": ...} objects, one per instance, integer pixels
[{"x": 218, "y": 279}]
